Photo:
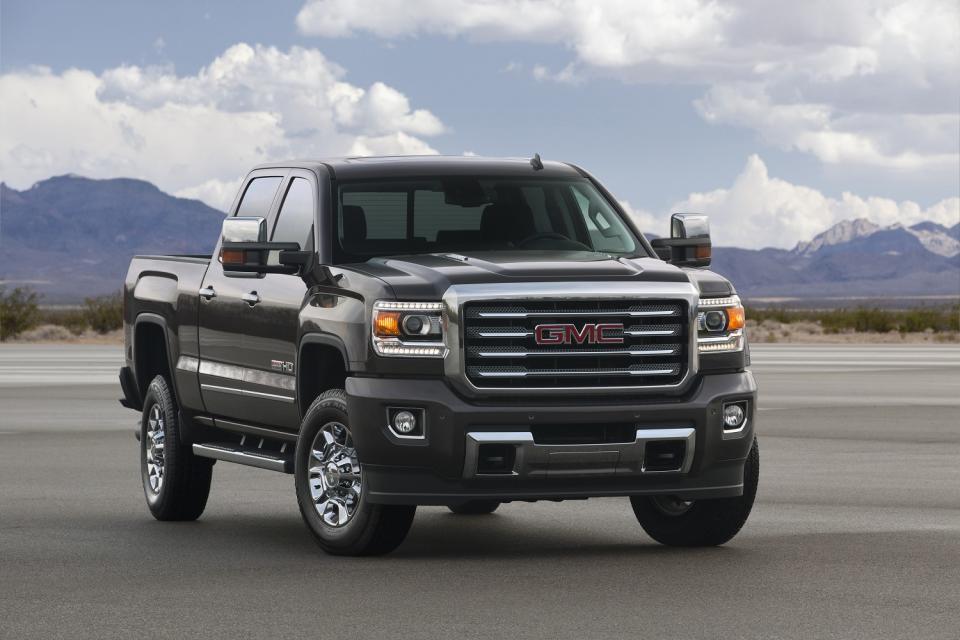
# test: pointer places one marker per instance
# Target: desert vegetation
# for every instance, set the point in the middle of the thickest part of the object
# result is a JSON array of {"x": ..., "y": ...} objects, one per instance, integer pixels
[
  {"x": 23, "y": 316},
  {"x": 919, "y": 324}
]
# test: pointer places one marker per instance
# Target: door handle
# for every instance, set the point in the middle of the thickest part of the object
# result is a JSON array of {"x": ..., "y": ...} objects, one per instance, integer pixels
[
  {"x": 251, "y": 298},
  {"x": 208, "y": 292}
]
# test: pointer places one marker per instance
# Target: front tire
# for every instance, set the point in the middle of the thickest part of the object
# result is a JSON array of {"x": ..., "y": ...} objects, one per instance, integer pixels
[
  {"x": 699, "y": 523},
  {"x": 331, "y": 489},
  {"x": 176, "y": 483}
]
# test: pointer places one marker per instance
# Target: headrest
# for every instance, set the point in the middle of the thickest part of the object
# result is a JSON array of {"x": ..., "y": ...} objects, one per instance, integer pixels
[
  {"x": 354, "y": 223},
  {"x": 501, "y": 223}
]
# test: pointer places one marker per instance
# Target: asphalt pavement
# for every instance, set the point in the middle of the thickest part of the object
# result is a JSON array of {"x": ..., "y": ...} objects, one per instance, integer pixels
[{"x": 855, "y": 533}]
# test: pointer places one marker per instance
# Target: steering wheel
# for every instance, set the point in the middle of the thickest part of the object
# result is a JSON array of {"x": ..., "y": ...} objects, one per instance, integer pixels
[{"x": 571, "y": 244}]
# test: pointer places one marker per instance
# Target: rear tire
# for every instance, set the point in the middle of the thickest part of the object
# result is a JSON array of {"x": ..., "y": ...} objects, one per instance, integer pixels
[
  {"x": 332, "y": 491},
  {"x": 176, "y": 483},
  {"x": 699, "y": 523},
  {"x": 475, "y": 507}
]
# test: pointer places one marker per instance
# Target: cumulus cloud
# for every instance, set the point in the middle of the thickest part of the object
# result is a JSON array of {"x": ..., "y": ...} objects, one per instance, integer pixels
[
  {"x": 195, "y": 135},
  {"x": 761, "y": 211},
  {"x": 872, "y": 82}
]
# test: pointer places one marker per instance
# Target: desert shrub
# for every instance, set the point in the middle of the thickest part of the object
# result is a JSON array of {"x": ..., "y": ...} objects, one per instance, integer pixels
[
  {"x": 74, "y": 319},
  {"x": 862, "y": 319},
  {"x": 104, "y": 313},
  {"x": 18, "y": 311},
  {"x": 926, "y": 319},
  {"x": 46, "y": 333}
]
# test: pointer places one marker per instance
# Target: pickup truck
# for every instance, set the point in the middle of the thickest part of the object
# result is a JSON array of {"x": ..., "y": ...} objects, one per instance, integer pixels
[{"x": 460, "y": 332}]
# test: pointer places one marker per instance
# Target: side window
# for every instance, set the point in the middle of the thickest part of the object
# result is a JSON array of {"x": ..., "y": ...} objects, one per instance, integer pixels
[
  {"x": 258, "y": 197},
  {"x": 295, "y": 220}
]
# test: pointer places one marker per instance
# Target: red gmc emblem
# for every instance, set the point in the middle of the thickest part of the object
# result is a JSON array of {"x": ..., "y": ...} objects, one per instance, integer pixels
[{"x": 587, "y": 334}]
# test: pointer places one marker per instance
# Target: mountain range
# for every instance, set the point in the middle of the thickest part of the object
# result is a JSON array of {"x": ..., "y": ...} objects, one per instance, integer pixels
[{"x": 71, "y": 237}]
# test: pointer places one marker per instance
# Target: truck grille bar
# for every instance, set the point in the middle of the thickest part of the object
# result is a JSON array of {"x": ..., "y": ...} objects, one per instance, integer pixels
[{"x": 647, "y": 344}]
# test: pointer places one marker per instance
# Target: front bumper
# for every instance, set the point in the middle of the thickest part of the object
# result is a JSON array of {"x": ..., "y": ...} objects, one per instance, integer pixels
[{"x": 441, "y": 468}]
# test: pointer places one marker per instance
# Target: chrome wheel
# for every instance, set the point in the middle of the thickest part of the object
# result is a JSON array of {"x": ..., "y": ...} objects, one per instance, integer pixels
[
  {"x": 153, "y": 444},
  {"x": 334, "y": 474},
  {"x": 671, "y": 505}
]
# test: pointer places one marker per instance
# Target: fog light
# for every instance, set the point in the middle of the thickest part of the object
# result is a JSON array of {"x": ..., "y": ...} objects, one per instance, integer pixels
[
  {"x": 404, "y": 422},
  {"x": 734, "y": 415}
]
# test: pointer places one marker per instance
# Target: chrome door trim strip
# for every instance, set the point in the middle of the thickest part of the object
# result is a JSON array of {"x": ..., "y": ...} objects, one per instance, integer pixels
[
  {"x": 246, "y": 375},
  {"x": 220, "y": 389},
  {"x": 188, "y": 363},
  {"x": 246, "y": 393},
  {"x": 269, "y": 396}
]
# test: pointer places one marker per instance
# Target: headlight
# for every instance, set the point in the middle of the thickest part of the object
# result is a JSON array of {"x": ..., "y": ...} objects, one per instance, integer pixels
[
  {"x": 720, "y": 323},
  {"x": 408, "y": 329}
]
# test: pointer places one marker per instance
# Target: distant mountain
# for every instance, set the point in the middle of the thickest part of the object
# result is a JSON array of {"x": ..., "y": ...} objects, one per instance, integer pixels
[
  {"x": 855, "y": 258},
  {"x": 71, "y": 237}
]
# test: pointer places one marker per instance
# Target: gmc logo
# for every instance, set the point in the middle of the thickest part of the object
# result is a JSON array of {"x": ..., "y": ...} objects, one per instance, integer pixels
[{"x": 587, "y": 334}]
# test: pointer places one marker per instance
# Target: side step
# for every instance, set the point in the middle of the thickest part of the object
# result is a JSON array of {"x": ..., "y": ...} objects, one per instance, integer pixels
[{"x": 281, "y": 460}]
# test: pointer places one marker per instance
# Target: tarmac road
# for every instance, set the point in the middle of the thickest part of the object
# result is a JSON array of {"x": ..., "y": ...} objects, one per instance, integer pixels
[{"x": 855, "y": 534}]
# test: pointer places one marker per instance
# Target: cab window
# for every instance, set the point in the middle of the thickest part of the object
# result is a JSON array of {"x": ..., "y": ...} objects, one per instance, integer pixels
[
  {"x": 258, "y": 196},
  {"x": 295, "y": 221}
]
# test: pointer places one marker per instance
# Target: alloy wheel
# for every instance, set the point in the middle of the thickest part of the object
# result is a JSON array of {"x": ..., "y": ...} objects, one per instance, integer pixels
[
  {"x": 334, "y": 475},
  {"x": 154, "y": 446}
]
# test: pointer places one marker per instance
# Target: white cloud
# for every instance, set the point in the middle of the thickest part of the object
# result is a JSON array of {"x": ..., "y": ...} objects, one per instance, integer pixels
[
  {"x": 195, "y": 135},
  {"x": 871, "y": 82},
  {"x": 761, "y": 211}
]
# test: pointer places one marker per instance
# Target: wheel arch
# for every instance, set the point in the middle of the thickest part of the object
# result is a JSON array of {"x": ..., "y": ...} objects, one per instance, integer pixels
[
  {"x": 152, "y": 352},
  {"x": 322, "y": 364}
]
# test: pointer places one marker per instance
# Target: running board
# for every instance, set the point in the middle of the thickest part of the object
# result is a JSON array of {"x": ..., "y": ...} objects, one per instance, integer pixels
[{"x": 273, "y": 460}]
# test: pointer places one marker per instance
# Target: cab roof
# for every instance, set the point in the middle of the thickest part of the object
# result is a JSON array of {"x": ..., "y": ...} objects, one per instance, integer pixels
[{"x": 374, "y": 167}]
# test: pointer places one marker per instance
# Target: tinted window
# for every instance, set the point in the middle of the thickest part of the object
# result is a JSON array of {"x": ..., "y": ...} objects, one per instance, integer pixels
[
  {"x": 434, "y": 217},
  {"x": 385, "y": 212},
  {"x": 296, "y": 214},
  {"x": 607, "y": 233},
  {"x": 259, "y": 196},
  {"x": 440, "y": 215}
]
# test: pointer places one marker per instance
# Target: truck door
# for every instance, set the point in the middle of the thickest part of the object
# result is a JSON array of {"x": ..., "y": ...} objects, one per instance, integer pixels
[
  {"x": 225, "y": 310},
  {"x": 272, "y": 332}
]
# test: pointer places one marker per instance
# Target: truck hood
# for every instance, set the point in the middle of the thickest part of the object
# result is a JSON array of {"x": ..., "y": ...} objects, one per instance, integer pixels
[{"x": 428, "y": 276}]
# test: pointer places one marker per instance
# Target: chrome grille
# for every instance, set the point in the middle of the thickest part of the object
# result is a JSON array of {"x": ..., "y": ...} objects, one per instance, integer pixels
[{"x": 650, "y": 349}]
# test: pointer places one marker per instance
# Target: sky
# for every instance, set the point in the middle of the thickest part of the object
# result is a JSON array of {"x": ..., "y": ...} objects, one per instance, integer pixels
[{"x": 778, "y": 119}]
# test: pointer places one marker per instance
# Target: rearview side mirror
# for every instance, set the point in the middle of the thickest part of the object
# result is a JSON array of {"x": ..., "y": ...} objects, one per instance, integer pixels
[
  {"x": 689, "y": 243},
  {"x": 245, "y": 252}
]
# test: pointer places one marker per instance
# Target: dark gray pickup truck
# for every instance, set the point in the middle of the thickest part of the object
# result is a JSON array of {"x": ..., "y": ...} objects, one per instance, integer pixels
[{"x": 463, "y": 332}]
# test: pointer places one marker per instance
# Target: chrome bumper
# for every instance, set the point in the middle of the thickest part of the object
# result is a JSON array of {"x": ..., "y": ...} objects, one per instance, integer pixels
[{"x": 534, "y": 460}]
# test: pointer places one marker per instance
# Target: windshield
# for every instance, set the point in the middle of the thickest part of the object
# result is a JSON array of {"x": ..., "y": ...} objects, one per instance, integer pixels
[{"x": 451, "y": 215}]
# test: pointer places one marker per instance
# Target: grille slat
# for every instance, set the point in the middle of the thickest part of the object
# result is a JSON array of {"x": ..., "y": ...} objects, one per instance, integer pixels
[
  {"x": 501, "y": 348},
  {"x": 521, "y": 352}
]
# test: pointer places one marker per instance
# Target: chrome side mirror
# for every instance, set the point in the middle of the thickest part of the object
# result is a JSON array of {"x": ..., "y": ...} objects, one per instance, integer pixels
[
  {"x": 687, "y": 226},
  {"x": 244, "y": 229},
  {"x": 689, "y": 243},
  {"x": 245, "y": 252}
]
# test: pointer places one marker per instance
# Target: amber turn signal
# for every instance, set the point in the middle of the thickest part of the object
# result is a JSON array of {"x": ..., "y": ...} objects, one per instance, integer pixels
[
  {"x": 232, "y": 256},
  {"x": 735, "y": 318},
  {"x": 386, "y": 324}
]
